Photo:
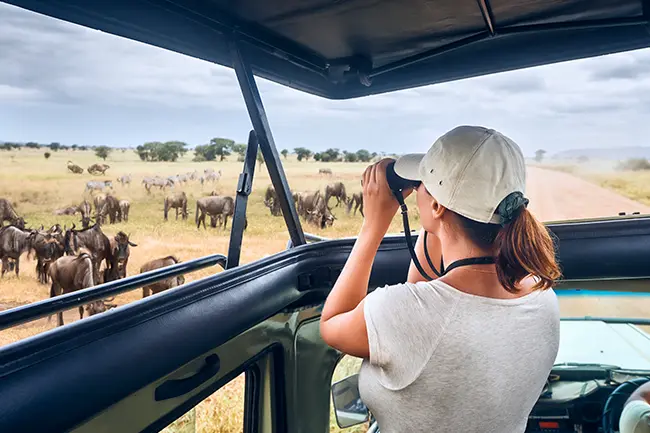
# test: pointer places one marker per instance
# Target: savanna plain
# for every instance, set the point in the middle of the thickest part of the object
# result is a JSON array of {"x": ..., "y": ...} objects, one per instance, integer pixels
[{"x": 37, "y": 186}]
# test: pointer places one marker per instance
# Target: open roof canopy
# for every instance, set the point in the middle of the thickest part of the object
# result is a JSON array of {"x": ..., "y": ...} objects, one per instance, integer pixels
[{"x": 342, "y": 49}]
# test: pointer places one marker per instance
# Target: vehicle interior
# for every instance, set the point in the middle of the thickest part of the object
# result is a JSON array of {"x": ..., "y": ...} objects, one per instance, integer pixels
[{"x": 142, "y": 366}]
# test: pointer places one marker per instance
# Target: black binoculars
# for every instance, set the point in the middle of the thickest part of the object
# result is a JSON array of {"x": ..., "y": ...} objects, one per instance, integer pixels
[{"x": 396, "y": 183}]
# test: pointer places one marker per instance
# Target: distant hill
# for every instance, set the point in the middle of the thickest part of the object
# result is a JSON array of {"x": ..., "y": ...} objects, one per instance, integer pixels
[{"x": 614, "y": 153}]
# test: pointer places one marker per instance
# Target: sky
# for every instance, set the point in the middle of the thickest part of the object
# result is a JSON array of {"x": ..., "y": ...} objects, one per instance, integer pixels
[{"x": 66, "y": 83}]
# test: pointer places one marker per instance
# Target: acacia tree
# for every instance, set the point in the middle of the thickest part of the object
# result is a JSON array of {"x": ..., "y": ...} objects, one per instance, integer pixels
[
  {"x": 103, "y": 152},
  {"x": 302, "y": 153},
  {"x": 284, "y": 153},
  {"x": 222, "y": 147},
  {"x": 157, "y": 151},
  {"x": 539, "y": 155}
]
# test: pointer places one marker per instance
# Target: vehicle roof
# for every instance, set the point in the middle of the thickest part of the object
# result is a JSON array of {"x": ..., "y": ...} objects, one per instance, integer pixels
[{"x": 342, "y": 49}]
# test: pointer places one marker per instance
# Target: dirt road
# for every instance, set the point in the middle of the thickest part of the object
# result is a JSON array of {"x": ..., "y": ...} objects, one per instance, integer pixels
[{"x": 556, "y": 196}]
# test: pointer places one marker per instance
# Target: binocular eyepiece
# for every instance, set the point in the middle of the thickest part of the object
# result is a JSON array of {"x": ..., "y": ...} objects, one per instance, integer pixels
[{"x": 397, "y": 183}]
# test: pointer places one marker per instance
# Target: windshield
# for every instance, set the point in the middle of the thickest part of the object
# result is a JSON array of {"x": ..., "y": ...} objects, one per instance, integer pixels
[{"x": 84, "y": 115}]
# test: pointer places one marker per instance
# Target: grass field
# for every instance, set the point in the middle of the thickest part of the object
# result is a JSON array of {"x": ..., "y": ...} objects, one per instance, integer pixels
[{"x": 38, "y": 186}]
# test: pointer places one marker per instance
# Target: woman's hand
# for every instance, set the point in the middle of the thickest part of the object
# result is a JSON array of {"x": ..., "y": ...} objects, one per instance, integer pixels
[
  {"x": 342, "y": 323},
  {"x": 379, "y": 204}
]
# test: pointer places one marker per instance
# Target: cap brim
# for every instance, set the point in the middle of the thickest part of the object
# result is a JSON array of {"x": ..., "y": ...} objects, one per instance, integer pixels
[{"x": 408, "y": 166}]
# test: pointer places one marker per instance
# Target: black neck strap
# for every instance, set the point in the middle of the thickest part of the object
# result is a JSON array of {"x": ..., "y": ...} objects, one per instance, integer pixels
[{"x": 409, "y": 242}]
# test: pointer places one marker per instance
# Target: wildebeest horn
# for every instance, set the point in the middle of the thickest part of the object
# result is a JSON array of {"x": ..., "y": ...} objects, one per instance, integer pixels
[
  {"x": 73, "y": 226},
  {"x": 109, "y": 299},
  {"x": 132, "y": 244}
]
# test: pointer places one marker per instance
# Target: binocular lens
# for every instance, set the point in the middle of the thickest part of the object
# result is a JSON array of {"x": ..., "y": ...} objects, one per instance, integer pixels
[{"x": 396, "y": 183}]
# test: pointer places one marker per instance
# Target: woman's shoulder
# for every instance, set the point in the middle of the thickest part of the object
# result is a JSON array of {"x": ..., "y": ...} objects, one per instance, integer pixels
[{"x": 416, "y": 295}]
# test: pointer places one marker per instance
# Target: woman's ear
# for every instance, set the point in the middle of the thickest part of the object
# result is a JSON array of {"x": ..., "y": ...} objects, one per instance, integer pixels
[{"x": 437, "y": 210}]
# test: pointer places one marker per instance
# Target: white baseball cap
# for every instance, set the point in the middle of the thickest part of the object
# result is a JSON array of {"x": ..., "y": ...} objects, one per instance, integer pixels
[{"x": 469, "y": 170}]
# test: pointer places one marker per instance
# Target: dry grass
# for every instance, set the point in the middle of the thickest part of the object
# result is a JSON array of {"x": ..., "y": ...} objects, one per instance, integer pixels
[{"x": 632, "y": 184}]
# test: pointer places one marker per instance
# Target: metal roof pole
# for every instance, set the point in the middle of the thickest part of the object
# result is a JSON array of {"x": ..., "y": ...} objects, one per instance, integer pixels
[
  {"x": 244, "y": 188},
  {"x": 267, "y": 145}
]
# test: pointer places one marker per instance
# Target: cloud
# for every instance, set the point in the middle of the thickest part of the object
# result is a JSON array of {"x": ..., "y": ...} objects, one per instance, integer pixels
[
  {"x": 63, "y": 82},
  {"x": 624, "y": 66}
]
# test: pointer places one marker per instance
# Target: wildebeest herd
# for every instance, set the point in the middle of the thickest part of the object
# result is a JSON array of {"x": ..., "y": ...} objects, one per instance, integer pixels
[
  {"x": 72, "y": 258},
  {"x": 314, "y": 206}
]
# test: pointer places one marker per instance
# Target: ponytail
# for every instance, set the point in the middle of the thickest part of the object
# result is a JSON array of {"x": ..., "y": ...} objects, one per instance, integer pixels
[{"x": 524, "y": 247}]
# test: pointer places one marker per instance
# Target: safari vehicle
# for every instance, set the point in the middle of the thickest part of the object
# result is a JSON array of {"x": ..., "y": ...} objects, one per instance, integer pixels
[{"x": 141, "y": 366}]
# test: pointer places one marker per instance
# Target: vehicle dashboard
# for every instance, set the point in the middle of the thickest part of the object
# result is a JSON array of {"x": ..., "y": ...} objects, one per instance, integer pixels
[{"x": 574, "y": 399}]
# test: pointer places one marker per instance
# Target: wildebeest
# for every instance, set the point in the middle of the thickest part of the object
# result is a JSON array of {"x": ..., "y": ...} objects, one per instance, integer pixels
[
  {"x": 98, "y": 168},
  {"x": 327, "y": 171},
  {"x": 48, "y": 246},
  {"x": 85, "y": 208},
  {"x": 86, "y": 222},
  {"x": 308, "y": 201},
  {"x": 99, "y": 201},
  {"x": 96, "y": 242},
  {"x": 177, "y": 200},
  {"x": 69, "y": 274},
  {"x": 163, "y": 284},
  {"x": 321, "y": 217},
  {"x": 74, "y": 168},
  {"x": 125, "y": 179},
  {"x": 98, "y": 185},
  {"x": 336, "y": 190},
  {"x": 13, "y": 243},
  {"x": 8, "y": 213},
  {"x": 313, "y": 208},
  {"x": 272, "y": 202},
  {"x": 120, "y": 251},
  {"x": 215, "y": 220},
  {"x": 214, "y": 206},
  {"x": 110, "y": 209},
  {"x": 357, "y": 201},
  {"x": 70, "y": 210},
  {"x": 125, "y": 207},
  {"x": 99, "y": 306}
]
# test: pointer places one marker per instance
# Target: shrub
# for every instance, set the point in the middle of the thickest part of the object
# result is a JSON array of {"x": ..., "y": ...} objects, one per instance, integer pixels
[
  {"x": 634, "y": 164},
  {"x": 47, "y": 155}
]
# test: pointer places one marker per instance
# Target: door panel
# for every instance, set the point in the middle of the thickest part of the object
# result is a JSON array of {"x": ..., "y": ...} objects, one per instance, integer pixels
[{"x": 71, "y": 374}]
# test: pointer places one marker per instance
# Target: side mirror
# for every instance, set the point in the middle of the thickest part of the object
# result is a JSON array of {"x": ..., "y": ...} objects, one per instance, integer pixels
[{"x": 348, "y": 407}]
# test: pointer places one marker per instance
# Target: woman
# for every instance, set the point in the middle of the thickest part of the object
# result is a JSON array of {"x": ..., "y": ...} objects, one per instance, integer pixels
[{"x": 470, "y": 351}]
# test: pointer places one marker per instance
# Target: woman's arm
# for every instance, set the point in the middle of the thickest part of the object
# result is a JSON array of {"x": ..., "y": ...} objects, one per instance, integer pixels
[
  {"x": 433, "y": 246},
  {"x": 343, "y": 324}
]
